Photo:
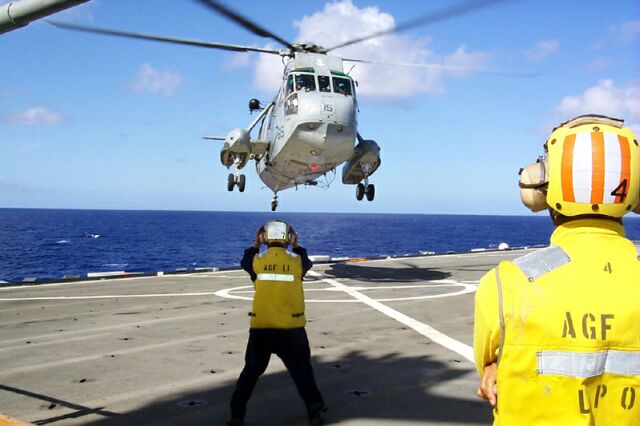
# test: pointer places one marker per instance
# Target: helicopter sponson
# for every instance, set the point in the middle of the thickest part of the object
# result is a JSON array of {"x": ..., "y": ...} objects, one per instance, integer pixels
[{"x": 365, "y": 161}]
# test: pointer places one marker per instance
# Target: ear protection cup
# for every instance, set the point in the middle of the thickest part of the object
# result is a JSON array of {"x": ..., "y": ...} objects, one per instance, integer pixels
[
  {"x": 533, "y": 182},
  {"x": 262, "y": 239}
]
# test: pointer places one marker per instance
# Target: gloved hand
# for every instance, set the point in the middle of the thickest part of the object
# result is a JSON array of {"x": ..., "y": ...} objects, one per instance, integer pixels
[
  {"x": 293, "y": 237},
  {"x": 259, "y": 238}
]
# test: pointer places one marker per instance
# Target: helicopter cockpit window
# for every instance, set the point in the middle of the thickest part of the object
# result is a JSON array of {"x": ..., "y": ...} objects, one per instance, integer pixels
[
  {"x": 289, "y": 87},
  {"x": 324, "y": 83},
  {"x": 342, "y": 85},
  {"x": 305, "y": 82}
]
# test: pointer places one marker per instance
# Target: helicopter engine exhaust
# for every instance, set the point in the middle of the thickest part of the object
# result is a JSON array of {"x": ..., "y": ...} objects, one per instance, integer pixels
[{"x": 236, "y": 148}]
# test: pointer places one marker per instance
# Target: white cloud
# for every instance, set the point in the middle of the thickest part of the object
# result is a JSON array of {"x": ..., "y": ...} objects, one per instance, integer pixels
[
  {"x": 34, "y": 116},
  {"x": 154, "y": 81},
  {"x": 268, "y": 72},
  {"x": 608, "y": 99},
  {"x": 461, "y": 61},
  {"x": 623, "y": 33},
  {"x": 599, "y": 64},
  {"x": 541, "y": 50},
  {"x": 627, "y": 31},
  {"x": 342, "y": 21},
  {"x": 7, "y": 185},
  {"x": 237, "y": 60}
]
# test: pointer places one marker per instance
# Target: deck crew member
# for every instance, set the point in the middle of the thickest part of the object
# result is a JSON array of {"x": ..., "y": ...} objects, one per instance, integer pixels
[
  {"x": 557, "y": 335},
  {"x": 277, "y": 319}
]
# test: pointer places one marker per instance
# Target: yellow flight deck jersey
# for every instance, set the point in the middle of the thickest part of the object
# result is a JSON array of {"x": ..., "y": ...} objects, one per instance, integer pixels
[
  {"x": 563, "y": 323},
  {"x": 279, "y": 298}
]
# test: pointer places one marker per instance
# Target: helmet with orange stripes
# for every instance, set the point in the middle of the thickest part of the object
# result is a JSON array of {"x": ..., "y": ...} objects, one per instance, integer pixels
[{"x": 591, "y": 166}]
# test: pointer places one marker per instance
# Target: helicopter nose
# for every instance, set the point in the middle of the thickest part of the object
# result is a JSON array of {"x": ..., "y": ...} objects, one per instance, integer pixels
[
  {"x": 339, "y": 109},
  {"x": 326, "y": 125}
]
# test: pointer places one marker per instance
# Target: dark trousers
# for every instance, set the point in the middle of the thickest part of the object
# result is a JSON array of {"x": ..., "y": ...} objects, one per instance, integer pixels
[{"x": 292, "y": 347}]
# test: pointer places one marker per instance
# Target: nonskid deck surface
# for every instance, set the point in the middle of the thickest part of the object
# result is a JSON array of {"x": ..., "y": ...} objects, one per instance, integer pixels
[{"x": 390, "y": 339}]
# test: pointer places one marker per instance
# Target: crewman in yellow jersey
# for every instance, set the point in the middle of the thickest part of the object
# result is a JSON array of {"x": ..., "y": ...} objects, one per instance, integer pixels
[
  {"x": 557, "y": 331},
  {"x": 277, "y": 319}
]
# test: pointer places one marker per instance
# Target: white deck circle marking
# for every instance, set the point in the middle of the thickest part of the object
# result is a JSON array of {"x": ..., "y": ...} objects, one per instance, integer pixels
[
  {"x": 426, "y": 330},
  {"x": 239, "y": 292}
]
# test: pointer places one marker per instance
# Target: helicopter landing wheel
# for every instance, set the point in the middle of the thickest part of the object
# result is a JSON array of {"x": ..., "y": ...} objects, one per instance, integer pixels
[
  {"x": 370, "y": 192},
  {"x": 231, "y": 182},
  {"x": 359, "y": 192},
  {"x": 241, "y": 182}
]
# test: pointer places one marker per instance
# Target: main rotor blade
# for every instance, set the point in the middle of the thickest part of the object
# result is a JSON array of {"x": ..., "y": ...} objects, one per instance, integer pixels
[
  {"x": 207, "y": 44},
  {"x": 449, "y": 12},
  {"x": 449, "y": 68},
  {"x": 244, "y": 22}
]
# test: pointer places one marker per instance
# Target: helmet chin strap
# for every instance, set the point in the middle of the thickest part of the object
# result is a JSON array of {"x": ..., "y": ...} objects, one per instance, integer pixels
[{"x": 559, "y": 219}]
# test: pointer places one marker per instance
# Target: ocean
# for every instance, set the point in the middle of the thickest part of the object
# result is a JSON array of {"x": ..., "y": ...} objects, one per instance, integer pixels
[{"x": 51, "y": 244}]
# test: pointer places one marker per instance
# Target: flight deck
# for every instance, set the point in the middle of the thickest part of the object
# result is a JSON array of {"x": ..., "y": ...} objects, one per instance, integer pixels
[{"x": 390, "y": 341}]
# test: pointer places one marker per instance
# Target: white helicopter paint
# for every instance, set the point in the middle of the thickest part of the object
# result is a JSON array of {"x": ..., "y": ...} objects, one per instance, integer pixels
[{"x": 308, "y": 130}]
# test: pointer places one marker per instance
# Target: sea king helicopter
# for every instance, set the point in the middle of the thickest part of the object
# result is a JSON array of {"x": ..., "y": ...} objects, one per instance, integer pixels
[{"x": 310, "y": 126}]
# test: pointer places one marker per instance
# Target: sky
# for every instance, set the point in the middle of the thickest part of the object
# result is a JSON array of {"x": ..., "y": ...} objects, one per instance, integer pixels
[{"x": 96, "y": 122}]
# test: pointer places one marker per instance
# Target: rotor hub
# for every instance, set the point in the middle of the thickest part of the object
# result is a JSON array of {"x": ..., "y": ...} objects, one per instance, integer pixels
[{"x": 308, "y": 46}]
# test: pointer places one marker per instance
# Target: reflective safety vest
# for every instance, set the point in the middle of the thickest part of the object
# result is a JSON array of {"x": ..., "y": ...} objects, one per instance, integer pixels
[
  {"x": 279, "y": 299},
  {"x": 570, "y": 330}
]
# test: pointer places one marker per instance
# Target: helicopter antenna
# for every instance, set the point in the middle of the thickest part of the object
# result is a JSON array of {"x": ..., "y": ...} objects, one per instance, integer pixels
[{"x": 351, "y": 69}]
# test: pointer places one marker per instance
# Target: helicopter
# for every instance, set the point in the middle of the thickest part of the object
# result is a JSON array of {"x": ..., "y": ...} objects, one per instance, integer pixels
[
  {"x": 310, "y": 126},
  {"x": 306, "y": 131}
]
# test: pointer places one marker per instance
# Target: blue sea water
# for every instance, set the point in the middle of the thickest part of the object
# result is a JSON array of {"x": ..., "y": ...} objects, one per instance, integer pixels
[{"x": 53, "y": 243}]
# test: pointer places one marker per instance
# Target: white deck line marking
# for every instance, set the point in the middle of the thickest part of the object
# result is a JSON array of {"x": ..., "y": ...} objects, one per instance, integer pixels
[
  {"x": 224, "y": 293},
  {"x": 152, "y": 347},
  {"x": 238, "y": 294},
  {"x": 52, "y": 342},
  {"x": 97, "y": 280},
  {"x": 107, "y": 296},
  {"x": 389, "y": 287},
  {"x": 111, "y": 328},
  {"x": 429, "y": 332},
  {"x": 112, "y": 280}
]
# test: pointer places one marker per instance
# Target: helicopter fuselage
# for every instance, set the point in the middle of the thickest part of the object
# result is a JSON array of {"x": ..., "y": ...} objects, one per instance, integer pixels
[{"x": 309, "y": 133}]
